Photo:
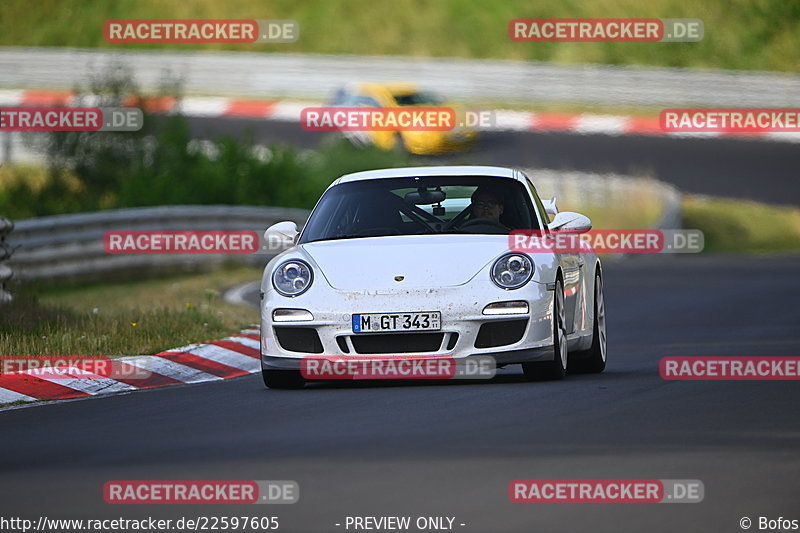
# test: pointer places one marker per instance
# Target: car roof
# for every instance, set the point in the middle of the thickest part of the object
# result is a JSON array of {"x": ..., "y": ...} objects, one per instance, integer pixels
[
  {"x": 450, "y": 170},
  {"x": 394, "y": 88}
]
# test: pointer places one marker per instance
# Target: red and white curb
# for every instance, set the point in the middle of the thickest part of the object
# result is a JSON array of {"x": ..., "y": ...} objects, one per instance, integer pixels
[
  {"x": 289, "y": 111},
  {"x": 233, "y": 356}
]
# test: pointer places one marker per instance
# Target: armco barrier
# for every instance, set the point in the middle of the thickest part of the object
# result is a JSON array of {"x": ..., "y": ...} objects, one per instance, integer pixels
[
  {"x": 72, "y": 245},
  {"x": 261, "y": 75},
  {"x": 5, "y": 252}
]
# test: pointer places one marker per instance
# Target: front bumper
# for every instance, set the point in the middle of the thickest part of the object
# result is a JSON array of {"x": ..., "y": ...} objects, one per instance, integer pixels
[
  {"x": 544, "y": 353},
  {"x": 462, "y": 319}
]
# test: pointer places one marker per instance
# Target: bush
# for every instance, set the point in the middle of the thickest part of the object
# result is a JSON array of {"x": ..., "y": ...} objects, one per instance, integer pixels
[{"x": 163, "y": 165}]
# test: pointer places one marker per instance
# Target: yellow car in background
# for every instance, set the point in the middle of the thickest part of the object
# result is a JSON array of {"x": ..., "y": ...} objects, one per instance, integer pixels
[{"x": 390, "y": 95}]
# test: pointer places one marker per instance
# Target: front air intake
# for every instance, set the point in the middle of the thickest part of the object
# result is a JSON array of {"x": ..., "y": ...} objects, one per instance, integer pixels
[
  {"x": 303, "y": 340},
  {"x": 501, "y": 333}
]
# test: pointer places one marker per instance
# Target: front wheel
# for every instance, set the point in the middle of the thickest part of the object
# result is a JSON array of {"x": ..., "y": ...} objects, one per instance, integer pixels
[
  {"x": 593, "y": 360},
  {"x": 557, "y": 368},
  {"x": 283, "y": 379}
]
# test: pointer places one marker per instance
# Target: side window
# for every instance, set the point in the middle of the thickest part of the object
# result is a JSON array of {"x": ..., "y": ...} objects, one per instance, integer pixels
[
  {"x": 367, "y": 101},
  {"x": 341, "y": 97}
]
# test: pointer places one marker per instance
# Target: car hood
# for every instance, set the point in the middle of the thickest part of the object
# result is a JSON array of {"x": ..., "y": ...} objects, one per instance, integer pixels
[{"x": 423, "y": 261}]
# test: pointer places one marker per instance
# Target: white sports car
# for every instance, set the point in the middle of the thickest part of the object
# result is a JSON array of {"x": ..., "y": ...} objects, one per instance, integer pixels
[{"x": 416, "y": 262}]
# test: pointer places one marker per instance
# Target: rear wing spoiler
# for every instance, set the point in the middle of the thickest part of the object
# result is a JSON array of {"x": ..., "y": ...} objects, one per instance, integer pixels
[{"x": 550, "y": 206}]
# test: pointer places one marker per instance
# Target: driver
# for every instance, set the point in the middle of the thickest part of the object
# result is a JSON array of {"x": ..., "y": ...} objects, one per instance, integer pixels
[{"x": 486, "y": 204}]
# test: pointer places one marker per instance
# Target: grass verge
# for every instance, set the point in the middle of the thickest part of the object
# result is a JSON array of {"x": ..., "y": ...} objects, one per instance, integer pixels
[
  {"x": 742, "y": 226},
  {"x": 129, "y": 318},
  {"x": 762, "y": 35}
]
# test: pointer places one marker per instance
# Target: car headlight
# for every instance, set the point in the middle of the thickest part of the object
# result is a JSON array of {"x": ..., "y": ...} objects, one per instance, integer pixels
[
  {"x": 292, "y": 277},
  {"x": 512, "y": 271}
]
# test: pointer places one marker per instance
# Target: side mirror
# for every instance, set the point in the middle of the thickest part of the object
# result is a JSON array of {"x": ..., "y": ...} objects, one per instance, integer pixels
[
  {"x": 281, "y": 236},
  {"x": 569, "y": 221}
]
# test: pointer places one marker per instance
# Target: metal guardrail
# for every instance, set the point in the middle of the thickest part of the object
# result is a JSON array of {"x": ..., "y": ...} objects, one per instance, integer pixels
[
  {"x": 72, "y": 245},
  {"x": 316, "y": 76},
  {"x": 5, "y": 252}
]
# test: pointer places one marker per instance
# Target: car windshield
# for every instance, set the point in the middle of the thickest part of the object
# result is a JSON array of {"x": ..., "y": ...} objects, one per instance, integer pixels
[
  {"x": 419, "y": 206},
  {"x": 418, "y": 98}
]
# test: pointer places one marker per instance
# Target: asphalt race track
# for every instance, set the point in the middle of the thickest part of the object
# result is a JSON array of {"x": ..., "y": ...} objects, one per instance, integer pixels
[
  {"x": 452, "y": 449},
  {"x": 764, "y": 171}
]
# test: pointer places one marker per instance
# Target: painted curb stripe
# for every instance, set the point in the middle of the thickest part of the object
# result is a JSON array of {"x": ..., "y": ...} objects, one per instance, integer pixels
[
  {"x": 643, "y": 125},
  {"x": 506, "y": 120},
  {"x": 234, "y": 356},
  {"x": 11, "y": 98},
  {"x": 171, "y": 369},
  {"x": 249, "y": 108},
  {"x": 204, "y": 107},
  {"x": 226, "y": 357},
  {"x": 206, "y": 365},
  {"x": 8, "y": 396},
  {"x": 238, "y": 348},
  {"x": 124, "y": 368},
  {"x": 38, "y": 388},
  {"x": 46, "y": 98},
  {"x": 77, "y": 379},
  {"x": 253, "y": 337},
  {"x": 552, "y": 121},
  {"x": 600, "y": 124}
]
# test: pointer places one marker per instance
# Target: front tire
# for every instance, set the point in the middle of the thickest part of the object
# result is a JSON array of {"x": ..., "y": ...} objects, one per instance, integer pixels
[
  {"x": 283, "y": 379},
  {"x": 593, "y": 360},
  {"x": 557, "y": 368}
]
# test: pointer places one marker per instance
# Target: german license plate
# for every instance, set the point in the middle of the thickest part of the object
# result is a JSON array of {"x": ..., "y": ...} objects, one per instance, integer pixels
[{"x": 385, "y": 322}]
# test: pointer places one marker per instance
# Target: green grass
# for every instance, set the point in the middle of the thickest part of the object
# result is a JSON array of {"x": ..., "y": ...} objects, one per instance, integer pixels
[
  {"x": 739, "y": 34},
  {"x": 742, "y": 226},
  {"x": 125, "y": 318}
]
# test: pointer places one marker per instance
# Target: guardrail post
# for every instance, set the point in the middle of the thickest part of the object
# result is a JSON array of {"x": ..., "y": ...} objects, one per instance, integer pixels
[
  {"x": 5, "y": 252},
  {"x": 5, "y": 149}
]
